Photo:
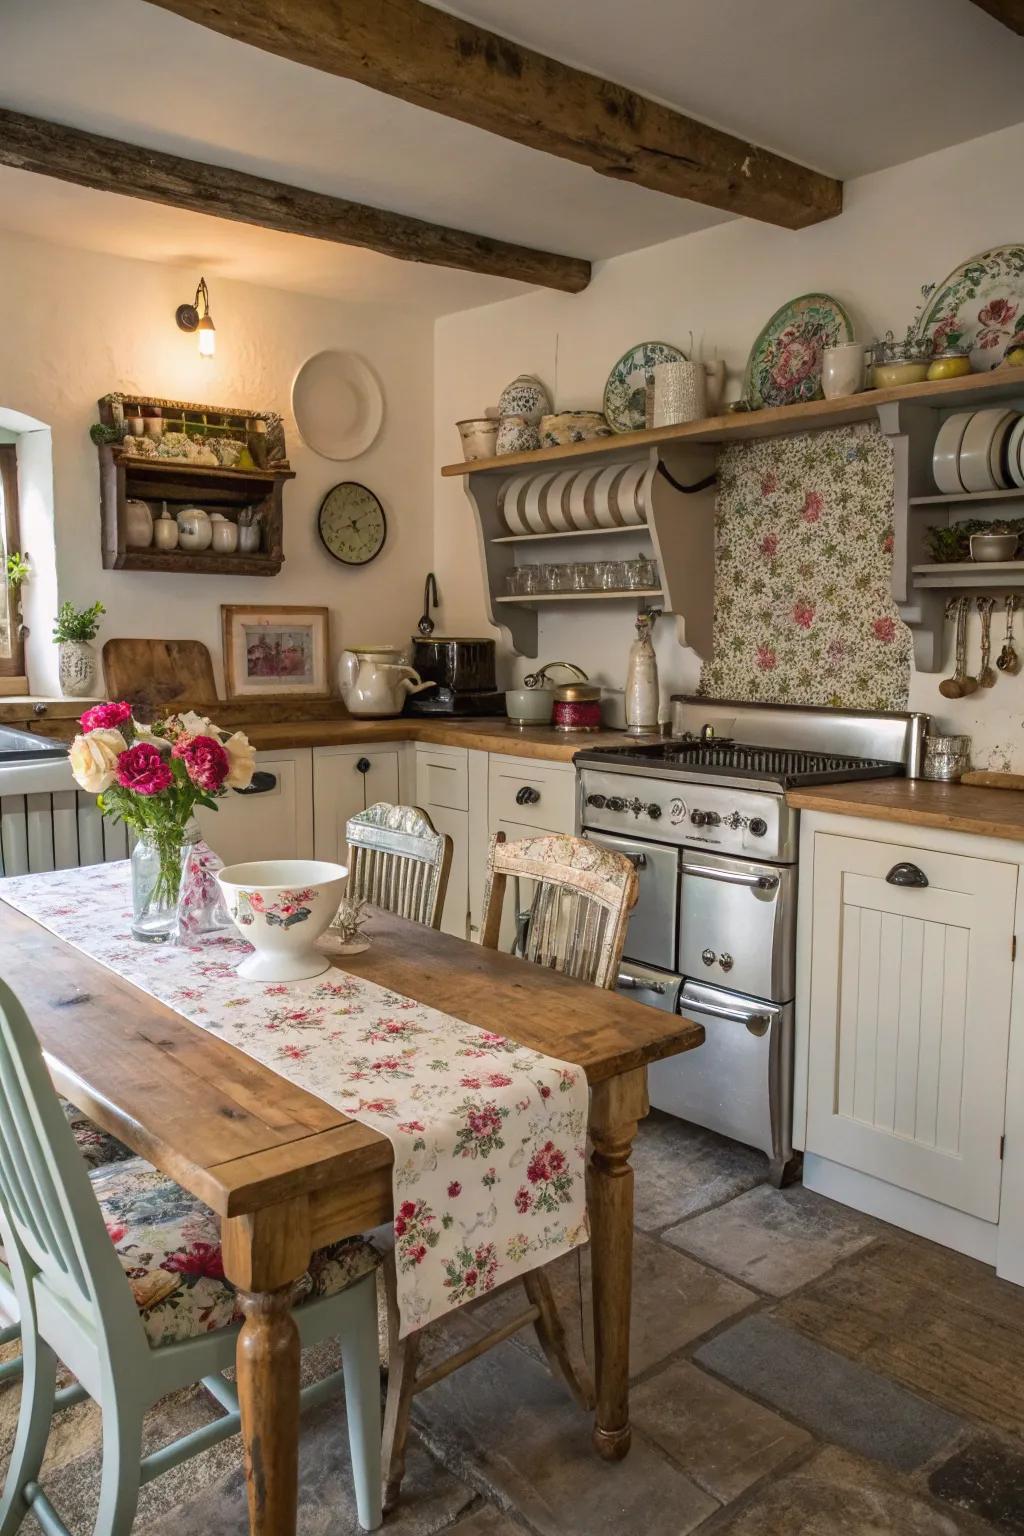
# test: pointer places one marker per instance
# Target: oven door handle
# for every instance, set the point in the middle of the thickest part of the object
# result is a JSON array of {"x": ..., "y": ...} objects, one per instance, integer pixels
[
  {"x": 638, "y": 860},
  {"x": 757, "y": 1023},
  {"x": 627, "y": 982},
  {"x": 732, "y": 876}
]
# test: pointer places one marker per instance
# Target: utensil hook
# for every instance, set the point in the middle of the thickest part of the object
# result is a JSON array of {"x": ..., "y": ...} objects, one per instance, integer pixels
[{"x": 426, "y": 623}]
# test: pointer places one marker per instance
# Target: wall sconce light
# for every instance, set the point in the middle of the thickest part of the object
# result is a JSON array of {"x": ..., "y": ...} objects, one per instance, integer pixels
[{"x": 189, "y": 318}]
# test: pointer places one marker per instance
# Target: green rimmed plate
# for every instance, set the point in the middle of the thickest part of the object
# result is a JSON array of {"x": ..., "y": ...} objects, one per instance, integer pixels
[
  {"x": 784, "y": 366},
  {"x": 625, "y": 393},
  {"x": 979, "y": 306}
]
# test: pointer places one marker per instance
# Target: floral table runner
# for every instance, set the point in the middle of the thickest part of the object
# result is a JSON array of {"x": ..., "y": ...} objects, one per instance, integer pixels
[{"x": 489, "y": 1136}]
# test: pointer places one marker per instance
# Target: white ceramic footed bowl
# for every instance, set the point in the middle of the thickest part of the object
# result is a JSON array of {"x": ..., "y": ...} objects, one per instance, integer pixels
[{"x": 282, "y": 906}]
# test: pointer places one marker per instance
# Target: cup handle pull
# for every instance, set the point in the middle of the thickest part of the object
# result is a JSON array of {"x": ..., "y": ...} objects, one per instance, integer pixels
[{"x": 907, "y": 874}]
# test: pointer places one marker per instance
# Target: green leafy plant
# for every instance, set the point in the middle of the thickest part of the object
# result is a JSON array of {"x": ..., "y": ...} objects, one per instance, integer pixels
[
  {"x": 17, "y": 569},
  {"x": 77, "y": 623}
]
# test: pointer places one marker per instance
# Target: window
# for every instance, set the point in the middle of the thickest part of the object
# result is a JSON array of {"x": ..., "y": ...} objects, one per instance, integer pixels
[{"x": 12, "y": 658}]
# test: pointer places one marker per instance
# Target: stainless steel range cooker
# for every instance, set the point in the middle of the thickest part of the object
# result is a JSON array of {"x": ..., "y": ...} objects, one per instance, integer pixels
[{"x": 704, "y": 818}]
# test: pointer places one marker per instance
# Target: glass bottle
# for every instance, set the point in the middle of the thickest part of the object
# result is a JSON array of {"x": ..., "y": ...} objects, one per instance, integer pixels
[{"x": 642, "y": 693}]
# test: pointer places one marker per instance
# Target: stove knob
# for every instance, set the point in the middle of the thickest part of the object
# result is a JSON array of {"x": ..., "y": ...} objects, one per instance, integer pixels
[
  {"x": 654, "y": 811},
  {"x": 708, "y": 956},
  {"x": 758, "y": 826},
  {"x": 616, "y": 803},
  {"x": 699, "y": 818},
  {"x": 712, "y": 819},
  {"x": 597, "y": 801}
]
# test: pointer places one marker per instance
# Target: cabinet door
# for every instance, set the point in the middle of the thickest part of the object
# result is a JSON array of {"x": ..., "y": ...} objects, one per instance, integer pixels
[
  {"x": 909, "y": 1018},
  {"x": 455, "y": 912},
  {"x": 345, "y": 781},
  {"x": 272, "y": 821}
]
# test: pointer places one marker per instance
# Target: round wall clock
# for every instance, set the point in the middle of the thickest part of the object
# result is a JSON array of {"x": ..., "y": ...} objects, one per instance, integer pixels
[{"x": 352, "y": 524}]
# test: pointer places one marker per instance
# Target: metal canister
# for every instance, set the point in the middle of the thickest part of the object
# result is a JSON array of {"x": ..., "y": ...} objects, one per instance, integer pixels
[
  {"x": 946, "y": 758},
  {"x": 576, "y": 707}
]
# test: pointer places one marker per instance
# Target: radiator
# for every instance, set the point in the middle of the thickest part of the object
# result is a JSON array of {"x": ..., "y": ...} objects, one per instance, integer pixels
[{"x": 46, "y": 822}]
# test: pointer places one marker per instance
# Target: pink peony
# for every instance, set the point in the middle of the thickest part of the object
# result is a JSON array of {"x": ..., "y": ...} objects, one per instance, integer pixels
[
  {"x": 143, "y": 770},
  {"x": 770, "y": 546},
  {"x": 803, "y": 614},
  {"x": 766, "y": 658},
  {"x": 106, "y": 717},
  {"x": 205, "y": 760},
  {"x": 884, "y": 630},
  {"x": 811, "y": 509}
]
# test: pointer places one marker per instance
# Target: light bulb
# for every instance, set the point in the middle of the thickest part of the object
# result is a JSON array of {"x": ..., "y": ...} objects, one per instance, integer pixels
[{"x": 207, "y": 337}]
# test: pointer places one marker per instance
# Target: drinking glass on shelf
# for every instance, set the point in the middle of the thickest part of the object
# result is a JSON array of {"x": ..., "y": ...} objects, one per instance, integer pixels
[
  {"x": 613, "y": 576},
  {"x": 641, "y": 574},
  {"x": 581, "y": 575},
  {"x": 561, "y": 578},
  {"x": 514, "y": 581},
  {"x": 529, "y": 579}
]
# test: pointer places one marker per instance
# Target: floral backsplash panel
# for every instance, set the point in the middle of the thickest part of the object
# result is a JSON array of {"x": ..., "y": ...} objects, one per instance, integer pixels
[{"x": 803, "y": 558}]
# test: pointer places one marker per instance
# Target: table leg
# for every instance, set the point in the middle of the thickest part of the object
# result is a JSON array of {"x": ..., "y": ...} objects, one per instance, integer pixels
[
  {"x": 616, "y": 1107},
  {"x": 264, "y": 1254}
]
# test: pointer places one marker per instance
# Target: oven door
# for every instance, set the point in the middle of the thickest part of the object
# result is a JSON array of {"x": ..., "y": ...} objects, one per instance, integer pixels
[
  {"x": 651, "y": 935},
  {"x": 737, "y": 924}
]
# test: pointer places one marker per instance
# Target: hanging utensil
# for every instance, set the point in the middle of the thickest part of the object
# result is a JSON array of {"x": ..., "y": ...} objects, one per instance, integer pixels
[
  {"x": 1008, "y": 660},
  {"x": 957, "y": 686},
  {"x": 986, "y": 675},
  {"x": 426, "y": 623}
]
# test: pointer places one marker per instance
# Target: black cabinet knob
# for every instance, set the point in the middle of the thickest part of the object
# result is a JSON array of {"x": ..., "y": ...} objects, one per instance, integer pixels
[
  {"x": 758, "y": 826},
  {"x": 261, "y": 783},
  {"x": 527, "y": 795},
  {"x": 616, "y": 803},
  {"x": 363, "y": 765},
  {"x": 907, "y": 874},
  {"x": 654, "y": 811}
]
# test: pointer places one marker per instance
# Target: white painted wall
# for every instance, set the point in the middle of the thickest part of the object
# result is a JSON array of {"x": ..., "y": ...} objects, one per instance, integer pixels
[
  {"x": 900, "y": 228},
  {"x": 74, "y": 325}
]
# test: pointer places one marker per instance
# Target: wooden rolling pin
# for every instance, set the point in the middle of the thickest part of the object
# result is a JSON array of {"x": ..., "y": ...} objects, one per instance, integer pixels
[{"x": 983, "y": 779}]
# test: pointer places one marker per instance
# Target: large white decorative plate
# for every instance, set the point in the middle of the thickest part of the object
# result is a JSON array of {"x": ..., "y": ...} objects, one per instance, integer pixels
[
  {"x": 784, "y": 366},
  {"x": 980, "y": 306},
  {"x": 605, "y": 497},
  {"x": 509, "y": 498},
  {"x": 556, "y": 499},
  {"x": 1015, "y": 454},
  {"x": 337, "y": 404},
  {"x": 629, "y": 494},
  {"x": 625, "y": 393},
  {"x": 981, "y": 450},
  {"x": 533, "y": 505},
  {"x": 946, "y": 453},
  {"x": 580, "y": 505}
]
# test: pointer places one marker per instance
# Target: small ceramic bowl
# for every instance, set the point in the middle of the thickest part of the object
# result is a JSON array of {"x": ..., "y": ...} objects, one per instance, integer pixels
[
  {"x": 516, "y": 435},
  {"x": 478, "y": 435},
  {"x": 282, "y": 906},
  {"x": 993, "y": 546},
  {"x": 529, "y": 706},
  {"x": 573, "y": 427}
]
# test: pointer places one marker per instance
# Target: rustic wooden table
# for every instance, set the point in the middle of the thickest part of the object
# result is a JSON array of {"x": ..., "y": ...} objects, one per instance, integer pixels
[{"x": 287, "y": 1173}]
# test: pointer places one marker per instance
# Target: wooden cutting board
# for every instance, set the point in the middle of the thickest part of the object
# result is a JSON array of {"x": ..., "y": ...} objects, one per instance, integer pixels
[
  {"x": 983, "y": 779},
  {"x": 153, "y": 675}
]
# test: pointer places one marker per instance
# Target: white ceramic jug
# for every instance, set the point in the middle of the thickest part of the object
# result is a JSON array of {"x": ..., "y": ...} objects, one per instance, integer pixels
[{"x": 375, "y": 683}]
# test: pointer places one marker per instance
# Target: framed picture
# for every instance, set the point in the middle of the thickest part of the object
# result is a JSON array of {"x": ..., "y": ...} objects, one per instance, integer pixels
[{"x": 275, "y": 651}]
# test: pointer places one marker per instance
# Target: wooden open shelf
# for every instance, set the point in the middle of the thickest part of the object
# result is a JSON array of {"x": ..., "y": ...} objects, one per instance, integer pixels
[
  {"x": 955, "y": 575},
  {"x": 967, "y": 498},
  {"x": 571, "y": 533},
  {"x": 976, "y": 390},
  {"x": 204, "y": 562}
]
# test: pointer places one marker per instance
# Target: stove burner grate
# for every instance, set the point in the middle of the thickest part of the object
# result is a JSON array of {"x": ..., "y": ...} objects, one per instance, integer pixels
[{"x": 785, "y": 765}]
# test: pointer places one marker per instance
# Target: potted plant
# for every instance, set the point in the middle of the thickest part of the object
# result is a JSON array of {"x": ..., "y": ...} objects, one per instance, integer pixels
[
  {"x": 76, "y": 659},
  {"x": 17, "y": 570}
]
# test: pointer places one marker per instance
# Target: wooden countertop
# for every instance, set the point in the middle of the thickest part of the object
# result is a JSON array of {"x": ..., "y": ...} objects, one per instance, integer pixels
[
  {"x": 538, "y": 741},
  {"x": 917, "y": 803}
]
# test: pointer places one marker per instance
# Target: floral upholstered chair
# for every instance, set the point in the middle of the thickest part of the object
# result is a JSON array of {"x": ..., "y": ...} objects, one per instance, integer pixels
[{"x": 119, "y": 1275}]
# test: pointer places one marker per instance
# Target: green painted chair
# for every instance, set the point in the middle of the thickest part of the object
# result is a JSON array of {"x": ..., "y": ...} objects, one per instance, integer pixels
[
  {"x": 97, "y": 1148},
  {"x": 118, "y": 1274}
]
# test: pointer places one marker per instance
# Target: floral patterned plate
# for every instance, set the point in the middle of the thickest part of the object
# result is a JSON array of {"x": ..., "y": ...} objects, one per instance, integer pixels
[
  {"x": 784, "y": 366},
  {"x": 625, "y": 393},
  {"x": 980, "y": 306}
]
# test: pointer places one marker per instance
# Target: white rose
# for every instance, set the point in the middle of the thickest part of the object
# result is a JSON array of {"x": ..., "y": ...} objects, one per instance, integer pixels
[
  {"x": 191, "y": 724},
  {"x": 94, "y": 757},
  {"x": 241, "y": 761}
]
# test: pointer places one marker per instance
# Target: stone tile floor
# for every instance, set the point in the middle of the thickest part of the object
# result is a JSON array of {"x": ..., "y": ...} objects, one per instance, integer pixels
[{"x": 800, "y": 1370}]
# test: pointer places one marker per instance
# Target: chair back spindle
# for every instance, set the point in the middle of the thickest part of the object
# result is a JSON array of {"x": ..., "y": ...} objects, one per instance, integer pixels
[
  {"x": 397, "y": 861},
  {"x": 582, "y": 897}
]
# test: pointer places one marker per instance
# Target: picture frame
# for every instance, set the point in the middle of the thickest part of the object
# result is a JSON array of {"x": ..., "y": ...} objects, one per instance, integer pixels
[{"x": 275, "y": 651}]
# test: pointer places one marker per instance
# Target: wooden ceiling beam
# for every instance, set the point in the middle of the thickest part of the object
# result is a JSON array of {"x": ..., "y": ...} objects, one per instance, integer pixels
[
  {"x": 109, "y": 165},
  {"x": 434, "y": 60},
  {"x": 1009, "y": 12}
]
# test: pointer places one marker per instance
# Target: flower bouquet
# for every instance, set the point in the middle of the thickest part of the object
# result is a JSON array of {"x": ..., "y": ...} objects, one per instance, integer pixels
[{"x": 152, "y": 777}]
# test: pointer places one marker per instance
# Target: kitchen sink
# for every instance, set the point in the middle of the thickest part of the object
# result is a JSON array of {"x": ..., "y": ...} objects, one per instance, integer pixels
[{"x": 25, "y": 747}]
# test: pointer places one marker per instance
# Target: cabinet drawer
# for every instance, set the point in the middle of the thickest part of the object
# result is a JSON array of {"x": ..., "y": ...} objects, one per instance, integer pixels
[
  {"x": 537, "y": 795},
  {"x": 442, "y": 778}
]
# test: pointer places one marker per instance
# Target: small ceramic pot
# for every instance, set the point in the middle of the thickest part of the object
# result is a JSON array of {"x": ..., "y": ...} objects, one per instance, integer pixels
[
  {"x": 516, "y": 435},
  {"x": 195, "y": 531},
  {"x": 529, "y": 706},
  {"x": 225, "y": 537},
  {"x": 577, "y": 707},
  {"x": 138, "y": 530},
  {"x": 76, "y": 669},
  {"x": 526, "y": 397},
  {"x": 842, "y": 370},
  {"x": 478, "y": 435},
  {"x": 993, "y": 546},
  {"x": 165, "y": 532},
  {"x": 572, "y": 427},
  {"x": 249, "y": 538}
]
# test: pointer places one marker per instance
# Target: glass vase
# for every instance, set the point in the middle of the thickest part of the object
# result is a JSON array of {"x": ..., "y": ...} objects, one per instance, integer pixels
[{"x": 158, "y": 864}]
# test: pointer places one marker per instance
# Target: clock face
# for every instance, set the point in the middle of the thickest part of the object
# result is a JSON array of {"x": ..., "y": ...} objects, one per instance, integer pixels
[{"x": 352, "y": 523}]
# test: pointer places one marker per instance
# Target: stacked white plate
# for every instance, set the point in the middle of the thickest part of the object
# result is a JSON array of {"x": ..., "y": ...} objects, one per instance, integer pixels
[
  {"x": 978, "y": 451},
  {"x": 577, "y": 499}
]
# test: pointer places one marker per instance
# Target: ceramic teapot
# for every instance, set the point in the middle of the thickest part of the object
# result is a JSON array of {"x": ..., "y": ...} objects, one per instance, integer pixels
[{"x": 375, "y": 681}]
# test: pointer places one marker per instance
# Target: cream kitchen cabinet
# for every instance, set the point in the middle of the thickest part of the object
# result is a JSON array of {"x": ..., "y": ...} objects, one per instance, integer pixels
[
  {"x": 273, "y": 819},
  {"x": 442, "y": 790},
  {"x": 347, "y": 780},
  {"x": 904, "y": 1008},
  {"x": 527, "y": 798}
]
